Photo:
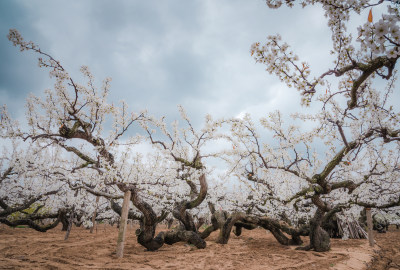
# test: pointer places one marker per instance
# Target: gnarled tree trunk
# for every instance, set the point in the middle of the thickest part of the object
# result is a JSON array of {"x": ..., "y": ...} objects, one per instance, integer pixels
[
  {"x": 146, "y": 234},
  {"x": 30, "y": 221},
  {"x": 319, "y": 238},
  {"x": 64, "y": 218},
  {"x": 225, "y": 222},
  {"x": 190, "y": 237},
  {"x": 277, "y": 228},
  {"x": 180, "y": 210}
]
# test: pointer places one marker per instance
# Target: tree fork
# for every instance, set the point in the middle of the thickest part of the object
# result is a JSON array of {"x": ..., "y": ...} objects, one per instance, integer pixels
[
  {"x": 319, "y": 238},
  {"x": 180, "y": 212},
  {"x": 70, "y": 221},
  {"x": 226, "y": 227}
]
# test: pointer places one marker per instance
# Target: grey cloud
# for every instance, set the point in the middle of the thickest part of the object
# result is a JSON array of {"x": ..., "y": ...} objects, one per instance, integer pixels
[
  {"x": 159, "y": 53},
  {"x": 18, "y": 73}
]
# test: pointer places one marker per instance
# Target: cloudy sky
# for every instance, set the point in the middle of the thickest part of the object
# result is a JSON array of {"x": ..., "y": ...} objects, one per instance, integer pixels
[{"x": 162, "y": 53}]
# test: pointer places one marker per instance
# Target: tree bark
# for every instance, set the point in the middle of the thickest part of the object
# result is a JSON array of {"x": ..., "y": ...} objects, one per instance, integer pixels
[
  {"x": 70, "y": 222},
  {"x": 319, "y": 238},
  {"x": 30, "y": 222},
  {"x": 190, "y": 237},
  {"x": 226, "y": 227},
  {"x": 207, "y": 231},
  {"x": 237, "y": 230},
  {"x": 277, "y": 228},
  {"x": 223, "y": 221},
  {"x": 180, "y": 210},
  {"x": 94, "y": 215},
  {"x": 169, "y": 224},
  {"x": 64, "y": 221},
  {"x": 145, "y": 235}
]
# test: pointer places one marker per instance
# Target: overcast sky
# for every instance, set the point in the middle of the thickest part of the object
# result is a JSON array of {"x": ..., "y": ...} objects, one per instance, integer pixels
[{"x": 162, "y": 53}]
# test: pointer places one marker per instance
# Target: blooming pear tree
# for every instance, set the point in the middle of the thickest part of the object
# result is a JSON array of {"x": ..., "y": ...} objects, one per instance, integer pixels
[
  {"x": 74, "y": 113},
  {"x": 73, "y": 116},
  {"x": 293, "y": 177},
  {"x": 357, "y": 120},
  {"x": 185, "y": 147}
]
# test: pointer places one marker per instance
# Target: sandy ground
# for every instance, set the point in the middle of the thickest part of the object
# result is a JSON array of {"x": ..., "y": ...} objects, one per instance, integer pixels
[
  {"x": 388, "y": 255},
  {"x": 22, "y": 248}
]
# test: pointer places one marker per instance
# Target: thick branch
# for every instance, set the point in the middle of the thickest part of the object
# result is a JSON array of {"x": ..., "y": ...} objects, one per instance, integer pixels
[
  {"x": 118, "y": 209},
  {"x": 180, "y": 210},
  {"x": 30, "y": 222},
  {"x": 9, "y": 210}
]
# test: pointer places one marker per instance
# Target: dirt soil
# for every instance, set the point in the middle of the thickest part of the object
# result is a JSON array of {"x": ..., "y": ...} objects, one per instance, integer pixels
[
  {"x": 388, "y": 256},
  {"x": 23, "y": 248}
]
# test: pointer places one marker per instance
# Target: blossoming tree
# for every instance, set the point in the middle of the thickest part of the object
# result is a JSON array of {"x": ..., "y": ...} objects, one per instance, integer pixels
[
  {"x": 72, "y": 117},
  {"x": 358, "y": 123}
]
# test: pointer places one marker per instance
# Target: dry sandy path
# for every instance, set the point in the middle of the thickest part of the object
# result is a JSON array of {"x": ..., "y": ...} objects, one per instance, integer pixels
[
  {"x": 388, "y": 257},
  {"x": 23, "y": 248}
]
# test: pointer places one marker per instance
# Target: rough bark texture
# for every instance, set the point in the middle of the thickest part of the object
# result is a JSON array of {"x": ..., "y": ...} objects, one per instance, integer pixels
[
  {"x": 149, "y": 220},
  {"x": 226, "y": 226},
  {"x": 277, "y": 228},
  {"x": 319, "y": 238},
  {"x": 170, "y": 221},
  {"x": 64, "y": 218},
  {"x": 146, "y": 234},
  {"x": 190, "y": 237},
  {"x": 94, "y": 215},
  {"x": 225, "y": 222},
  {"x": 207, "y": 231},
  {"x": 329, "y": 224},
  {"x": 180, "y": 210},
  {"x": 237, "y": 230},
  {"x": 70, "y": 221}
]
